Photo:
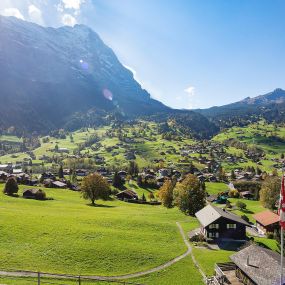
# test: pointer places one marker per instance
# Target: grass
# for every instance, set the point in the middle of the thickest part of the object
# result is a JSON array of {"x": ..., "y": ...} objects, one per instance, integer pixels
[
  {"x": 181, "y": 273},
  {"x": 68, "y": 236},
  {"x": 207, "y": 258},
  {"x": 216, "y": 187},
  {"x": 252, "y": 207}
]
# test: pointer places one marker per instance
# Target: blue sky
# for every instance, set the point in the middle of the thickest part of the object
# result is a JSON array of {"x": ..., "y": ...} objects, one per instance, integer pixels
[{"x": 188, "y": 54}]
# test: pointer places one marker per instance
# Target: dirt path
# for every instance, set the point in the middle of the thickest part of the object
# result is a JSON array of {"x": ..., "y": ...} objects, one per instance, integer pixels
[{"x": 118, "y": 277}]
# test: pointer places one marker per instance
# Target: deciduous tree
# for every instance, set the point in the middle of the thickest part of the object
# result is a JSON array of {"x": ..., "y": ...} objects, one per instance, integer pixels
[
  {"x": 94, "y": 187},
  {"x": 189, "y": 196},
  {"x": 11, "y": 186},
  {"x": 270, "y": 191}
]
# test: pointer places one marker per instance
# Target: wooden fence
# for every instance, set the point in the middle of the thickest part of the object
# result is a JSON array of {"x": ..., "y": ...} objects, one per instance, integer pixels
[{"x": 41, "y": 278}]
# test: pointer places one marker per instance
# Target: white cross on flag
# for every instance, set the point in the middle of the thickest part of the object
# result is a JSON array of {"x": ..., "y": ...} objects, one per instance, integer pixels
[{"x": 282, "y": 204}]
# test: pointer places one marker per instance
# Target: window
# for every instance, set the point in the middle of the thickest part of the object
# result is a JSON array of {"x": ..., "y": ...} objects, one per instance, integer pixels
[
  {"x": 214, "y": 226},
  {"x": 213, "y": 235},
  {"x": 231, "y": 226}
]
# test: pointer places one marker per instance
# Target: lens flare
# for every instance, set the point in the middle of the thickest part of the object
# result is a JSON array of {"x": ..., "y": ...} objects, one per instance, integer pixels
[
  {"x": 84, "y": 65},
  {"x": 107, "y": 94}
]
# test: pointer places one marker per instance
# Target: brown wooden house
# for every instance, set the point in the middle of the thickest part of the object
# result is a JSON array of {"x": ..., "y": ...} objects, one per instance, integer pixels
[
  {"x": 267, "y": 221},
  {"x": 217, "y": 223}
]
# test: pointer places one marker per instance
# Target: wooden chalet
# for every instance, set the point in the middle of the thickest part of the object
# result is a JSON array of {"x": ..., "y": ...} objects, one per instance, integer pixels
[
  {"x": 253, "y": 265},
  {"x": 34, "y": 194},
  {"x": 217, "y": 223},
  {"x": 267, "y": 221},
  {"x": 127, "y": 195}
]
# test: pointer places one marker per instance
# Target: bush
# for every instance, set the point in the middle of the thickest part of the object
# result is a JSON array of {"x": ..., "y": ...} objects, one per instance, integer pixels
[
  {"x": 241, "y": 205},
  {"x": 198, "y": 238},
  {"x": 270, "y": 235},
  {"x": 11, "y": 186},
  {"x": 41, "y": 195},
  {"x": 234, "y": 193},
  {"x": 228, "y": 204}
]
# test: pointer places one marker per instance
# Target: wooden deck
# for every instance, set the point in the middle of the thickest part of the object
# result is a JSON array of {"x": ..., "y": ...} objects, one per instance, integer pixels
[
  {"x": 231, "y": 277},
  {"x": 225, "y": 274}
]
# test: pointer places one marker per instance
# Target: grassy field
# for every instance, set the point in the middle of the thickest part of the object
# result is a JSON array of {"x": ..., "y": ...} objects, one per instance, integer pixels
[
  {"x": 216, "y": 187},
  {"x": 207, "y": 258},
  {"x": 68, "y": 236}
]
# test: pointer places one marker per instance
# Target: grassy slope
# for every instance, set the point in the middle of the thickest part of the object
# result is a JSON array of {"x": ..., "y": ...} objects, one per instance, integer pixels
[{"x": 66, "y": 235}]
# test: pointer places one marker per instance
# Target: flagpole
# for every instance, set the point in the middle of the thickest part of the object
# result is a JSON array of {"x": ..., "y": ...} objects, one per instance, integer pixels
[
  {"x": 282, "y": 232},
  {"x": 282, "y": 254}
]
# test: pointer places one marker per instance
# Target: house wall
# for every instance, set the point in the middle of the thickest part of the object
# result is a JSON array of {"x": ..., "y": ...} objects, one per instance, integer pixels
[
  {"x": 268, "y": 229},
  {"x": 239, "y": 233}
]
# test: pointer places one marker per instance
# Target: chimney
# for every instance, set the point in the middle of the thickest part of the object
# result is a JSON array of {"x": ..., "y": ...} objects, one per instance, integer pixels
[{"x": 247, "y": 261}]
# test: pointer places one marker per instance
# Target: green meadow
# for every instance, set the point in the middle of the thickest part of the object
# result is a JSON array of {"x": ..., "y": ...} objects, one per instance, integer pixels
[{"x": 67, "y": 235}]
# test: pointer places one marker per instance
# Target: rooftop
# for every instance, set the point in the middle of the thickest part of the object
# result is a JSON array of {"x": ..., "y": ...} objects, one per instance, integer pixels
[
  {"x": 266, "y": 218},
  {"x": 259, "y": 264},
  {"x": 210, "y": 214}
]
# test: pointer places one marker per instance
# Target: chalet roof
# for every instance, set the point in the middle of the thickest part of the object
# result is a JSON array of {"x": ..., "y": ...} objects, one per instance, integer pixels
[
  {"x": 266, "y": 218},
  {"x": 210, "y": 214},
  {"x": 131, "y": 193},
  {"x": 32, "y": 191},
  {"x": 260, "y": 264},
  {"x": 59, "y": 183}
]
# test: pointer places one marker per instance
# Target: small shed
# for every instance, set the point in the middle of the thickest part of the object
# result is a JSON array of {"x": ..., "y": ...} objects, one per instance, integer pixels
[
  {"x": 58, "y": 184},
  {"x": 34, "y": 193},
  {"x": 267, "y": 221},
  {"x": 128, "y": 195}
]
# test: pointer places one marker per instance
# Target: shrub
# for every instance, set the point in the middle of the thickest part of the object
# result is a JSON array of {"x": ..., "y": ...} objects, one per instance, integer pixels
[
  {"x": 241, "y": 205},
  {"x": 41, "y": 195},
  {"x": 11, "y": 186},
  {"x": 234, "y": 193},
  {"x": 198, "y": 238},
  {"x": 270, "y": 235}
]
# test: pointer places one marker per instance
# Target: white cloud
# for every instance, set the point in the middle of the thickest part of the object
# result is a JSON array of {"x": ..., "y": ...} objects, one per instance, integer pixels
[
  {"x": 72, "y": 4},
  {"x": 68, "y": 20},
  {"x": 191, "y": 93},
  {"x": 35, "y": 15},
  {"x": 12, "y": 12}
]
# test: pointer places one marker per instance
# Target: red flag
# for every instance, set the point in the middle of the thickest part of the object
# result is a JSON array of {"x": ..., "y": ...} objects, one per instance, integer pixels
[{"x": 282, "y": 204}]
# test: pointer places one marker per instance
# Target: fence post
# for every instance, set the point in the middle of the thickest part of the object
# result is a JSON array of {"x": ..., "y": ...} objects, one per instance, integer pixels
[
  {"x": 39, "y": 278},
  {"x": 79, "y": 280}
]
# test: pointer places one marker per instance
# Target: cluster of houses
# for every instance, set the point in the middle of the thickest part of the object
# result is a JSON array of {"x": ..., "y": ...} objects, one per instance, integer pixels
[{"x": 252, "y": 265}]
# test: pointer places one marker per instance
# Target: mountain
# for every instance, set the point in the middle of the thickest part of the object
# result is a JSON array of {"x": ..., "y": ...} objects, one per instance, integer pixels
[
  {"x": 270, "y": 106},
  {"x": 68, "y": 78}
]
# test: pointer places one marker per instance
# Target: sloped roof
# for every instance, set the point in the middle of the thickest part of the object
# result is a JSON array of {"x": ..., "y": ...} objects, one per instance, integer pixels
[
  {"x": 210, "y": 214},
  {"x": 266, "y": 218},
  {"x": 260, "y": 264}
]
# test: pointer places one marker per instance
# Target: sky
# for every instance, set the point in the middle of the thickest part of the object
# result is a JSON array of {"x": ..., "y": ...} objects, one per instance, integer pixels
[{"x": 187, "y": 53}]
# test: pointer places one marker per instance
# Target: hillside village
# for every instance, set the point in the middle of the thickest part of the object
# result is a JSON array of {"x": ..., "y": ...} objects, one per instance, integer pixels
[{"x": 231, "y": 175}]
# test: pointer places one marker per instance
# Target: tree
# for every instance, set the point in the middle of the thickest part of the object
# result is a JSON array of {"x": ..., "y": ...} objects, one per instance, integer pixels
[
  {"x": 151, "y": 196},
  {"x": 241, "y": 205},
  {"x": 165, "y": 193},
  {"x": 11, "y": 186},
  {"x": 270, "y": 190},
  {"x": 56, "y": 148},
  {"x": 233, "y": 175},
  {"x": 60, "y": 172},
  {"x": 118, "y": 182},
  {"x": 94, "y": 187},
  {"x": 143, "y": 197},
  {"x": 189, "y": 196},
  {"x": 133, "y": 168}
]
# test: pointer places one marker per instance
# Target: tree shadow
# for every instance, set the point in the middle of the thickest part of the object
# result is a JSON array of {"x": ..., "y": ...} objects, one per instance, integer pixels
[
  {"x": 100, "y": 206},
  {"x": 246, "y": 211}
]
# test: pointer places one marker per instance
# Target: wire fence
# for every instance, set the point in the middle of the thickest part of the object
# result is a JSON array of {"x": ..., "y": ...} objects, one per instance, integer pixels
[{"x": 42, "y": 278}]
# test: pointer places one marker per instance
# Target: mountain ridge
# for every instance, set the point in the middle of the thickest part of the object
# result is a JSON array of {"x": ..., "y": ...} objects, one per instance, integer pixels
[{"x": 68, "y": 77}]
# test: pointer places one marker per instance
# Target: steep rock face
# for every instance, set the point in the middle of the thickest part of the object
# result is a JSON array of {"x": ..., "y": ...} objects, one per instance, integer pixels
[{"x": 47, "y": 74}]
